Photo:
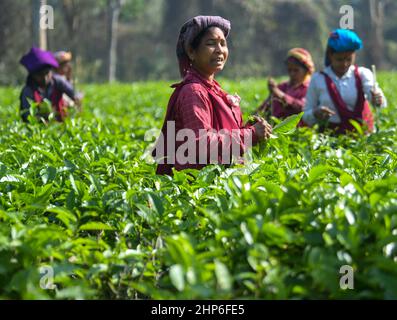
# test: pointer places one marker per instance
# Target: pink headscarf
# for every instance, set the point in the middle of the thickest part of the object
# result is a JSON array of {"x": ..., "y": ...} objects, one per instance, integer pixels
[{"x": 190, "y": 30}]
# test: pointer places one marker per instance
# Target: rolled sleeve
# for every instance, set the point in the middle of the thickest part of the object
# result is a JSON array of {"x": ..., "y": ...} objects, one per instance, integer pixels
[
  {"x": 296, "y": 104},
  {"x": 367, "y": 79}
]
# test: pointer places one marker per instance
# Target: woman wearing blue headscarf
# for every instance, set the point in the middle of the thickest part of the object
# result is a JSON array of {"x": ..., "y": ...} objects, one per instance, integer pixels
[{"x": 341, "y": 92}]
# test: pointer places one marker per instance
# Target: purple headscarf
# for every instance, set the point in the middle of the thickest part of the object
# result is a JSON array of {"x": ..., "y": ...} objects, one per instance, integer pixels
[
  {"x": 37, "y": 59},
  {"x": 190, "y": 30}
]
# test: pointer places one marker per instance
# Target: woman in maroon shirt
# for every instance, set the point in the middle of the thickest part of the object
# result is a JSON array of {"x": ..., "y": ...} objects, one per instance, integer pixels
[
  {"x": 41, "y": 84},
  {"x": 288, "y": 98},
  {"x": 203, "y": 123}
]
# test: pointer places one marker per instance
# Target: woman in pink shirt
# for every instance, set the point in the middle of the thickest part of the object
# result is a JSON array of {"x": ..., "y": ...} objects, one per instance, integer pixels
[
  {"x": 288, "y": 98},
  {"x": 203, "y": 123}
]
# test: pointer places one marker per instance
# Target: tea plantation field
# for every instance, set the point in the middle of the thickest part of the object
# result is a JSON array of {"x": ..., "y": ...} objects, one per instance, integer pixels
[{"x": 83, "y": 215}]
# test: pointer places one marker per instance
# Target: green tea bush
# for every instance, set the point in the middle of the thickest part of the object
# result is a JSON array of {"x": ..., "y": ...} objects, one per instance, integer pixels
[{"x": 82, "y": 199}]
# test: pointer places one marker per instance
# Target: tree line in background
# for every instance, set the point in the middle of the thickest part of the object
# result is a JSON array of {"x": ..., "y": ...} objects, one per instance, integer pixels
[{"x": 130, "y": 40}]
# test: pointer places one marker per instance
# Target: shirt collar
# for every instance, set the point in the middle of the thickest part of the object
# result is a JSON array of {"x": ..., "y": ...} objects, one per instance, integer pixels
[
  {"x": 304, "y": 84},
  {"x": 194, "y": 73}
]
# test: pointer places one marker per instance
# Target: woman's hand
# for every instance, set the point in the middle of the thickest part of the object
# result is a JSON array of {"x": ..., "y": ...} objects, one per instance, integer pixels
[
  {"x": 377, "y": 99},
  {"x": 271, "y": 84},
  {"x": 323, "y": 113},
  {"x": 79, "y": 101},
  {"x": 263, "y": 129},
  {"x": 274, "y": 90}
]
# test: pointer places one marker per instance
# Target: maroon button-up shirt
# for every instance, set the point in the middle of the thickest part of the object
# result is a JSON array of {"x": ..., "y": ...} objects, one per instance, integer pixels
[
  {"x": 199, "y": 104},
  {"x": 294, "y": 100}
]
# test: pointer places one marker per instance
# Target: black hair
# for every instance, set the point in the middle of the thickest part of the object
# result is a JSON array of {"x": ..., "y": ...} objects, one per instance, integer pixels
[
  {"x": 330, "y": 50},
  {"x": 30, "y": 78},
  {"x": 30, "y": 81}
]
